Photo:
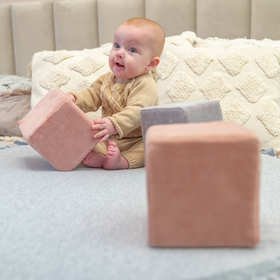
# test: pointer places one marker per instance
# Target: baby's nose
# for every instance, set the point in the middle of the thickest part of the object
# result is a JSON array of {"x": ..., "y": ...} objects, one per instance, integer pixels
[{"x": 120, "y": 53}]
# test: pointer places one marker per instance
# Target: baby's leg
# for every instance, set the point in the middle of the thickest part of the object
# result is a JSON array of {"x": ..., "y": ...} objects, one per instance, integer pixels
[
  {"x": 94, "y": 159},
  {"x": 114, "y": 159}
]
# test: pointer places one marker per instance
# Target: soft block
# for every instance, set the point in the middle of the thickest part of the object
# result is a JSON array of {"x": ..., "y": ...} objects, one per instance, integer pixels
[
  {"x": 202, "y": 185},
  {"x": 59, "y": 130},
  {"x": 188, "y": 112}
]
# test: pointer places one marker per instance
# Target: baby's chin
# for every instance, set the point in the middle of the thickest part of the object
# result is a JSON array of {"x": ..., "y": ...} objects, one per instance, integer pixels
[{"x": 122, "y": 77}]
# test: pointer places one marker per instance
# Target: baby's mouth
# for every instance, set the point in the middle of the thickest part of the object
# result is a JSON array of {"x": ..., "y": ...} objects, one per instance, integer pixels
[{"x": 119, "y": 65}]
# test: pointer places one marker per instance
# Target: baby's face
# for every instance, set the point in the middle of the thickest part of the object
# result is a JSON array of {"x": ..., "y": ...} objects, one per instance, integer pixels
[{"x": 131, "y": 52}]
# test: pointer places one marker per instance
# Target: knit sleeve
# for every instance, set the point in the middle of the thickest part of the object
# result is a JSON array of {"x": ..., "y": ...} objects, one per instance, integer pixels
[
  {"x": 144, "y": 94},
  {"x": 89, "y": 99}
]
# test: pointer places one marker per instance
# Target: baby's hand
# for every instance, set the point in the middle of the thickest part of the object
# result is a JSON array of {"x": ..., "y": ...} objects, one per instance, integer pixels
[
  {"x": 72, "y": 97},
  {"x": 107, "y": 129}
]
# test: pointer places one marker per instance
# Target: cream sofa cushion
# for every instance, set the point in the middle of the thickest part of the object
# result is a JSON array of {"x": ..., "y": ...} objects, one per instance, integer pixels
[
  {"x": 112, "y": 13},
  {"x": 173, "y": 16},
  {"x": 33, "y": 30},
  {"x": 265, "y": 19},
  {"x": 6, "y": 47},
  {"x": 225, "y": 19},
  {"x": 245, "y": 81},
  {"x": 78, "y": 29}
]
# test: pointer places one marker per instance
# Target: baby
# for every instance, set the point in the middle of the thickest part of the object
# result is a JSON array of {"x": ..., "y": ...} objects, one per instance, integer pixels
[{"x": 122, "y": 93}]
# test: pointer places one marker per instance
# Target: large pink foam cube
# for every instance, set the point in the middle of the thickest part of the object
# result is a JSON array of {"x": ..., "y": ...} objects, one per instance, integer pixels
[
  {"x": 203, "y": 185},
  {"x": 59, "y": 130}
]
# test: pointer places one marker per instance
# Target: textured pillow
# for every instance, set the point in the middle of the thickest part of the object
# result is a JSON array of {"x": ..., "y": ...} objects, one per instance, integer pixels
[
  {"x": 214, "y": 42},
  {"x": 186, "y": 39},
  {"x": 15, "y": 93},
  {"x": 67, "y": 71},
  {"x": 246, "y": 82}
]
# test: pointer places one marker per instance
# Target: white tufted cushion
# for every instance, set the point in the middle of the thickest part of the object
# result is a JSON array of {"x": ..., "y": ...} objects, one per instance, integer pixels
[
  {"x": 215, "y": 42},
  {"x": 68, "y": 71},
  {"x": 245, "y": 81}
]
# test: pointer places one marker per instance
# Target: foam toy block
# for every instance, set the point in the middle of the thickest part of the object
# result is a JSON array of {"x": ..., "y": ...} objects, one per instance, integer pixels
[
  {"x": 188, "y": 112},
  {"x": 202, "y": 185},
  {"x": 58, "y": 130}
]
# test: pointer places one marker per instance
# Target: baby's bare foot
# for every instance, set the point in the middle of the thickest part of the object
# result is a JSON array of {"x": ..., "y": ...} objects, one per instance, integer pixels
[
  {"x": 114, "y": 159},
  {"x": 94, "y": 159},
  {"x": 113, "y": 156}
]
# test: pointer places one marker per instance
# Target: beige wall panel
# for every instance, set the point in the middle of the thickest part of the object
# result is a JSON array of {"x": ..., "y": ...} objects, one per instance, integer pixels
[
  {"x": 223, "y": 18},
  {"x": 174, "y": 16},
  {"x": 265, "y": 19},
  {"x": 16, "y": 1},
  {"x": 110, "y": 18},
  {"x": 76, "y": 24},
  {"x": 7, "y": 63},
  {"x": 33, "y": 31}
]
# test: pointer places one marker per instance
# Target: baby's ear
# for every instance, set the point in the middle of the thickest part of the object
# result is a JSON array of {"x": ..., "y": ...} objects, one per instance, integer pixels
[{"x": 153, "y": 64}]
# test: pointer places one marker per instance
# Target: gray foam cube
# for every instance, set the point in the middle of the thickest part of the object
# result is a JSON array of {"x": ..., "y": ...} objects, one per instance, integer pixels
[{"x": 189, "y": 112}]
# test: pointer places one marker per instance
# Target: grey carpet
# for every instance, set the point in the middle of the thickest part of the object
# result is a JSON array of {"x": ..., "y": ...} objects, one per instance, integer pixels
[{"x": 91, "y": 224}]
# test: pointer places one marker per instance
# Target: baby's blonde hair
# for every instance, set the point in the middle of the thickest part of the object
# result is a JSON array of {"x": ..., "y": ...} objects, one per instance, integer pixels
[{"x": 157, "y": 36}]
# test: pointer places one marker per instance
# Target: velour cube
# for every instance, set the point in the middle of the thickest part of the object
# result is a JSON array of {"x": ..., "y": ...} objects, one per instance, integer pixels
[
  {"x": 186, "y": 112},
  {"x": 202, "y": 185},
  {"x": 59, "y": 130}
]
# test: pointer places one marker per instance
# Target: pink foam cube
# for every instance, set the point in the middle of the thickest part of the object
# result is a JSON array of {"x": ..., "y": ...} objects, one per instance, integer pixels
[
  {"x": 58, "y": 130},
  {"x": 203, "y": 185}
]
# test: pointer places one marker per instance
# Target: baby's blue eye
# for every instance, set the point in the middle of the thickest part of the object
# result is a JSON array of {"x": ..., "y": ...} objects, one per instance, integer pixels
[
  {"x": 132, "y": 50},
  {"x": 117, "y": 46}
]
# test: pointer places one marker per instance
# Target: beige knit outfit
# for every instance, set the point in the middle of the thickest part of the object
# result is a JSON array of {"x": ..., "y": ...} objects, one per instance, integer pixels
[{"x": 121, "y": 103}]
